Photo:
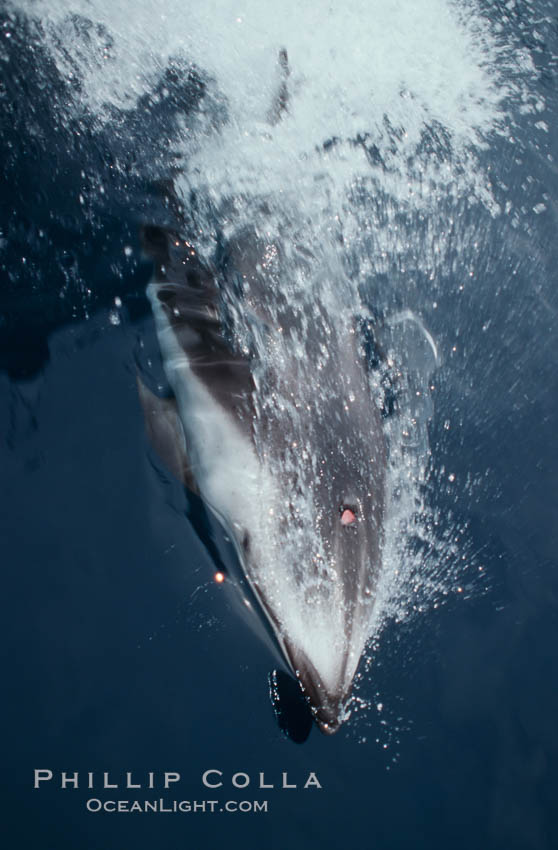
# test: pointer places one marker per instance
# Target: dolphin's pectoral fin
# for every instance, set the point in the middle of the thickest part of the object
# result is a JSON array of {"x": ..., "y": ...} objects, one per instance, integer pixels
[
  {"x": 281, "y": 101},
  {"x": 166, "y": 434}
]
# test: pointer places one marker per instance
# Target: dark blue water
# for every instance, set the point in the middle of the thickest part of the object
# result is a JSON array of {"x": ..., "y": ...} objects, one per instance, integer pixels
[{"x": 120, "y": 653}]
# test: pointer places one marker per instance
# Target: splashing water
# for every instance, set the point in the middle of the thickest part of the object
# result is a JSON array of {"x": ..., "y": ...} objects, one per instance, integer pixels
[{"x": 343, "y": 203}]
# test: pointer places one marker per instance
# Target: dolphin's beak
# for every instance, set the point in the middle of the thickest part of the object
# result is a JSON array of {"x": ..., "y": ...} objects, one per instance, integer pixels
[
  {"x": 328, "y": 706},
  {"x": 328, "y": 713},
  {"x": 328, "y": 727}
]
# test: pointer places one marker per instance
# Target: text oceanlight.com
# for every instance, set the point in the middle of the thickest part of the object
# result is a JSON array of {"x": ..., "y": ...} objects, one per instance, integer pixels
[{"x": 176, "y": 806}]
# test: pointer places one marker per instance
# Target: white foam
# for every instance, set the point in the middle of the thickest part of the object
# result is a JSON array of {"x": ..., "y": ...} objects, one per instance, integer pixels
[{"x": 418, "y": 65}]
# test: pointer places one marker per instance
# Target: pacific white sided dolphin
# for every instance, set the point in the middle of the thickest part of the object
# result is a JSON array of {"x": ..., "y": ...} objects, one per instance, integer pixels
[{"x": 276, "y": 426}]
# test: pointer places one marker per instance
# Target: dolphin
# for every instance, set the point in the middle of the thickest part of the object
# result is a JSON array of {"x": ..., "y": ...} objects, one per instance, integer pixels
[{"x": 275, "y": 425}]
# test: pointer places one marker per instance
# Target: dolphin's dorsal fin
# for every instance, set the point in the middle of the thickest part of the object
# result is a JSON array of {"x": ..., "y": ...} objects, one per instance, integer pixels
[
  {"x": 281, "y": 101},
  {"x": 166, "y": 434}
]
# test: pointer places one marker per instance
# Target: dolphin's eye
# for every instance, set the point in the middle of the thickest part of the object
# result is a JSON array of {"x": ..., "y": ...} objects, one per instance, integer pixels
[
  {"x": 348, "y": 516},
  {"x": 246, "y": 542}
]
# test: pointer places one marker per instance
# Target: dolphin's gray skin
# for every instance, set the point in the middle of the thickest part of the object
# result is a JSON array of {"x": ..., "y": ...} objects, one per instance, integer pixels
[{"x": 277, "y": 428}]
